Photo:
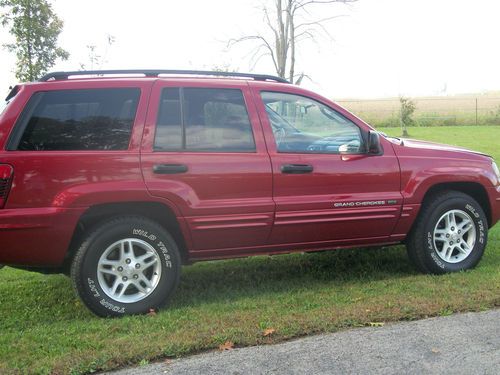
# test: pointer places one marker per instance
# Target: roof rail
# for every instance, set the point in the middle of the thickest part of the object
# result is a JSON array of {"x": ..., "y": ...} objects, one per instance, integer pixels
[{"x": 156, "y": 73}]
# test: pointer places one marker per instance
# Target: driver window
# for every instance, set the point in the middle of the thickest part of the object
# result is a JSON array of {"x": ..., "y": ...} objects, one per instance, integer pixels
[{"x": 304, "y": 125}]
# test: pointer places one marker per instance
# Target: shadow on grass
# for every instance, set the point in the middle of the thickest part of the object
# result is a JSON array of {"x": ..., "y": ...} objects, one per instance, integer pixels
[
  {"x": 226, "y": 281},
  {"x": 209, "y": 282},
  {"x": 30, "y": 294}
]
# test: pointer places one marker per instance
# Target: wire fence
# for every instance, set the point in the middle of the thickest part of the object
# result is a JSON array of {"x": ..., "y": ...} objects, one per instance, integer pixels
[{"x": 430, "y": 111}]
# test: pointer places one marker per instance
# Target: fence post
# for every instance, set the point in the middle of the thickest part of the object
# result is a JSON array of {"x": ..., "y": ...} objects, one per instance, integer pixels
[{"x": 476, "y": 111}]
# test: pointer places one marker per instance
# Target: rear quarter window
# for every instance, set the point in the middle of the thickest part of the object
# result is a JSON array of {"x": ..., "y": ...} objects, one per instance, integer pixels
[{"x": 87, "y": 119}]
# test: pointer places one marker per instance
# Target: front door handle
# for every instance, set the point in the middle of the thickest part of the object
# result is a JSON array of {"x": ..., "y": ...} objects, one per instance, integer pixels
[
  {"x": 169, "y": 168},
  {"x": 296, "y": 168}
]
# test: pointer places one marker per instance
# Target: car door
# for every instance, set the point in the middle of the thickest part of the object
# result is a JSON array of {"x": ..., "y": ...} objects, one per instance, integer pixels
[
  {"x": 322, "y": 195},
  {"x": 203, "y": 151}
]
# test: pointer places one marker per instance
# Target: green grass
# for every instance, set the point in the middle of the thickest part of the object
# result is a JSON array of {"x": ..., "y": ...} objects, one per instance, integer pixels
[
  {"x": 45, "y": 329},
  {"x": 480, "y": 138}
]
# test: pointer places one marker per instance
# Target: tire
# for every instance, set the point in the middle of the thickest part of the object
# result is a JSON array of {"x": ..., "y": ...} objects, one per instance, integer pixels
[
  {"x": 128, "y": 265},
  {"x": 449, "y": 235}
]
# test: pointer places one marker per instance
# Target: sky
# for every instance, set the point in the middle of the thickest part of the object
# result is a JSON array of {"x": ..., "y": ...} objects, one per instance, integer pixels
[{"x": 377, "y": 48}]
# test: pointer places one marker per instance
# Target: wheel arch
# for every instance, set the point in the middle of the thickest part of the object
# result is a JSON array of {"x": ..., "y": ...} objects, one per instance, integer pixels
[
  {"x": 473, "y": 189},
  {"x": 156, "y": 211}
]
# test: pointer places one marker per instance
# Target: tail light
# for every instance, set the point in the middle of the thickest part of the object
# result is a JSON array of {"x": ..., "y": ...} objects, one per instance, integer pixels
[{"x": 6, "y": 172}]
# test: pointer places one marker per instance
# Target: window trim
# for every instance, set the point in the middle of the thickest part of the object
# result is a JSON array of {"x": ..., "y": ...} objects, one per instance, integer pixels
[
  {"x": 22, "y": 121},
  {"x": 183, "y": 148},
  {"x": 311, "y": 152}
]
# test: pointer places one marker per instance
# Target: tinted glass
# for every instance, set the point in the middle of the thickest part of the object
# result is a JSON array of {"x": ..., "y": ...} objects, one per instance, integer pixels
[
  {"x": 95, "y": 119},
  {"x": 304, "y": 125},
  {"x": 212, "y": 120}
]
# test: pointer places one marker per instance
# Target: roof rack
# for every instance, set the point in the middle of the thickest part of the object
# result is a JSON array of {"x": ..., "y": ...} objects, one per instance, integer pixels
[{"x": 156, "y": 73}]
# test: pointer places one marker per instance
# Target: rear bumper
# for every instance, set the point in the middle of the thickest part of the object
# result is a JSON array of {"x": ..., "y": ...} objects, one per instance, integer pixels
[{"x": 36, "y": 236}]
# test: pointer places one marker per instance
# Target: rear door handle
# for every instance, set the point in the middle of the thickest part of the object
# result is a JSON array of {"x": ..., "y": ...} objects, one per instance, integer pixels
[
  {"x": 169, "y": 168},
  {"x": 296, "y": 168}
]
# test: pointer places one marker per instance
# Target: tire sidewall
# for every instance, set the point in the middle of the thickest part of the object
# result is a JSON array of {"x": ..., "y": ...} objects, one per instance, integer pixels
[
  {"x": 433, "y": 260},
  {"x": 96, "y": 299}
]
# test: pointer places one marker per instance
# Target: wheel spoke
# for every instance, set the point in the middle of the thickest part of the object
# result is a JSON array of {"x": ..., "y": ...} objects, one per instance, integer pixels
[
  {"x": 115, "y": 286},
  {"x": 452, "y": 219},
  {"x": 147, "y": 260},
  {"x": 108, "y": 271},
  {"x": 145, "y": 280},
  {"x": 439, "y": 235},
  {"x": 122, "y": 251},
  {"x": 122, "y": 291},
  {"x": 466, "y": 247},
  {"x": 465, "y": 227},
  {"x": 108, "y": 262},
  {"x": 139, "y": 287},
  {"x": 131, "y": 249},
  {"x": 449, "y": 251}
]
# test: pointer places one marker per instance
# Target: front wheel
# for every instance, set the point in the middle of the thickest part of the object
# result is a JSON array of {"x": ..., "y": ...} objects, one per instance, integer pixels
[
  {"x": 450, "y": 234},
  {"x": 128, "y": 265}
]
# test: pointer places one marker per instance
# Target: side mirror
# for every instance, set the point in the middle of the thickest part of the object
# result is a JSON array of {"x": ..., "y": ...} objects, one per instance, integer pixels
[{"x": 374, "y": 146}]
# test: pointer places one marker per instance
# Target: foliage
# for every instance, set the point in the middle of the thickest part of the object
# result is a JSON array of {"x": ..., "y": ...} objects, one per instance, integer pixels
[
  {"x": 36, "y": 28},
  {"x": 407, "y": 108},
  {"x": 289, "y": 24}
]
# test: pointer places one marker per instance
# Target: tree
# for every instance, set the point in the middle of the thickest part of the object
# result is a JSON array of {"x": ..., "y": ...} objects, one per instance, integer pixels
[
  {"x": 408, "y": 106},
  {"x": 290, "y": 23},
  {"x": 36, "y": 28}
]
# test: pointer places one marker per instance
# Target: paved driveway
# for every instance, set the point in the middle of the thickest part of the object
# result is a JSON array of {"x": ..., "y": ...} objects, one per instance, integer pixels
[{"x": 458, "y": 344}]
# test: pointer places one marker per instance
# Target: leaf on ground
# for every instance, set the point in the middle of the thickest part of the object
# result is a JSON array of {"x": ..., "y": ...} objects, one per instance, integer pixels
[
  {"x": 376, "y": 324},
  {"x": 228, "y": 345},
  {"x": 268, "y": 332},
  {"x": 435, "y": 350},
  {"x": 152, "y": 312}
]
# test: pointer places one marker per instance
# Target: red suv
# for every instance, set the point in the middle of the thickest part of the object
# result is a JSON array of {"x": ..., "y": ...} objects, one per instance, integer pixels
[{"x": 120, "y": 177}]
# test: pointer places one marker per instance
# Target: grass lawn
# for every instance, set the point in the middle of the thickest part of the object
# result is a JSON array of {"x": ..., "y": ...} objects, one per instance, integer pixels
[{"x": 45, "y": 329}]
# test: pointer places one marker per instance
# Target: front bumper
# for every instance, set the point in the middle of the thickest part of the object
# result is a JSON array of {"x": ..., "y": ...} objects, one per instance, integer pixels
[{"x": 494, "y": 196}]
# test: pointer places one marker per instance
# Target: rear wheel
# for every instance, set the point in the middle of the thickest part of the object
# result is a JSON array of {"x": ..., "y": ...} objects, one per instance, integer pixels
[
  {"x": 450, "y": 234},
  {"x": 129, "y": 265}
]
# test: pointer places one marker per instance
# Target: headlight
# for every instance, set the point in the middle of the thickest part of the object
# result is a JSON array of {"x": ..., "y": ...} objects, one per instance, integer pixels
[{"x": 495, "y": 168}]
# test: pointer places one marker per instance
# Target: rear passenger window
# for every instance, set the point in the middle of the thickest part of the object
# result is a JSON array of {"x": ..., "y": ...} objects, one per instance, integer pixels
[
  {"x": 94, "y": 119},
  {"x": 202, "y": 119}
]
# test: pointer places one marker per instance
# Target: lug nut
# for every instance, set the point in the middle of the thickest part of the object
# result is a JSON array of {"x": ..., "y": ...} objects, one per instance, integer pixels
[
  {"x": 458, "y": 241},
  {"x": 136, "y": 276},
  {"x": 459, "y": 231},
  {"x": 128, "y": 261},
  {"x": 452, "y": 228},
  {"x": 124, "y": 278},
  {"x": 120, "y": 269},
  {"x": 447, "y": 235},
  {"x": 451, "y": 242},
  {"x": 137, "y": 265}
]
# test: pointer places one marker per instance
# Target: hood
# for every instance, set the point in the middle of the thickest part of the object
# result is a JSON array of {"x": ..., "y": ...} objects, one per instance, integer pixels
[{"x": 413, "y": 143}]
